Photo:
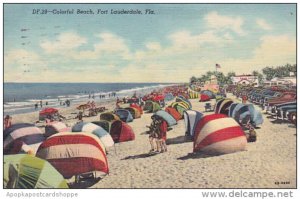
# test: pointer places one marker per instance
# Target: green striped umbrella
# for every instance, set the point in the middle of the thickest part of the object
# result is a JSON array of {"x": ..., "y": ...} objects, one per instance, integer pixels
[{"x": 24, "y": 171}]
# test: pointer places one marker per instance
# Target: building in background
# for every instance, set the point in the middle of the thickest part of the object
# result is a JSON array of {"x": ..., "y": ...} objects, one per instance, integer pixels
[{"x": 245, "y": 80}]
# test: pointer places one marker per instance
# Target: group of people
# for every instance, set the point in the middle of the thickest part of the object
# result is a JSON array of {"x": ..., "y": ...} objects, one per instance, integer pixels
[
  {"x": 37, "y": 104},
  {"x": 158, "y": 135}
]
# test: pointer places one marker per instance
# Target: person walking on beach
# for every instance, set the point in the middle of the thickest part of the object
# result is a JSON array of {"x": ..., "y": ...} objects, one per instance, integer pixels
[
  {"x": 41, "y": 104},
  {"x": 35, "y": 106}
]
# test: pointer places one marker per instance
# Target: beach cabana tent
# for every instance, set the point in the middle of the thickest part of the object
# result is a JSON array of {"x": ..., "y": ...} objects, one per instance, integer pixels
[
  {"x": 175, "y": 114},
  {"x": 96, "y": 130},
  {"x": 193, "y": 94},
  {"x": 182, "y": 99},
  {"x": 204, "y": 98},
  {"x": 109, "y": 116},
  {"x": 222, "y": 106},
  {"x": 208, "y": 93},
  {"x": 219, "y": 134},
  {"x": 121, "y": 132},
  {"x": 191, "y": 119},
  {"x": 55, "y": 127},
  {"x": 124, "y": 115},
  {"x": 20, "y": 135},
  {"x": 151, "y": 107},
  {"x": 134, "y": 112},
  {"x": 239, "y": 111},
  {"x": 43, "y": 114},
  {"x": 104, "y": 124},
  {"x": 231, "y": 109},
  {"x": 169, "y": 97},
  {"x": 24, "y": 171},
  {"x": 180, "y": 107},
  {"x": 137, "y": 107},
  {"x": 166, "y": 116},
  {"x": 73, "y": 154}
]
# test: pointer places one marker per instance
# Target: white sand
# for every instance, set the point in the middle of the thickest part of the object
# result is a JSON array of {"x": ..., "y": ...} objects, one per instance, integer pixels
[{"x": 271, "y": 159}]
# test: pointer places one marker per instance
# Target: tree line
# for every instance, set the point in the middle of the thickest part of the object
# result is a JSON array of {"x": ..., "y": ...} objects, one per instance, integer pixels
[{"x": 268, "y": 73}]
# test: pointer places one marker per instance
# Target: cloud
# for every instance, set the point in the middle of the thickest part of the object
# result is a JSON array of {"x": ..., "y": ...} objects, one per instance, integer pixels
[
  {"x": 222, "y": 22},
  {"x": 64, "y": 42},
  {"x": 263, "y": 24},
  {"x": 273, "y": 51},
  {"x": 21, "y": 65}
]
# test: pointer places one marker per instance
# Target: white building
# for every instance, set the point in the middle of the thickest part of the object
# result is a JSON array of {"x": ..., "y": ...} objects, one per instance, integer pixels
[
  {"x": 288, "y": 81},
  {"x": 245, "y": 80}
]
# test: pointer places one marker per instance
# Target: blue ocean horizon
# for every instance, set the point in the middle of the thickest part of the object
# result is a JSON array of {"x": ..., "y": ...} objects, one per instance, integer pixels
[{"x": 21, "y": 97}]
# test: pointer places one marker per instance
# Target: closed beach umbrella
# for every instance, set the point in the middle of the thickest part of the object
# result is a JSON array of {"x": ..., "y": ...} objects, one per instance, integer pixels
[
  {"x": 96, "y": 130},
  {"x": 25, "y": 133},
  {"x": 24, "y": 171},
  {"x": 74, "y": 153},
  {"x": 219, "y": 134}
]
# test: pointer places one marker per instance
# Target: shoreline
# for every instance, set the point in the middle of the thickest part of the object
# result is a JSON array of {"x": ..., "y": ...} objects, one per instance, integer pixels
[{"x": 27, "y": 106}]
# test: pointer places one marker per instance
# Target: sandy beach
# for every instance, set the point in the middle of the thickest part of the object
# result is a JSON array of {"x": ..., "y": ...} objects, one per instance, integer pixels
[{"x": 270, "y": 162}]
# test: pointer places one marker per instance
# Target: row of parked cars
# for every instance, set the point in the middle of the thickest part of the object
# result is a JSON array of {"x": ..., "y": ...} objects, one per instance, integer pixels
[{"x": 280, "y": 102}]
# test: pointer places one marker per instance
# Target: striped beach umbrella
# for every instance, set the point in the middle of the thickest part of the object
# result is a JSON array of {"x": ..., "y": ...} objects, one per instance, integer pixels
[
  {"x": 22, "y": 134},
  {"x": 74, "y": 153},
  {"x": 24, "y": 171},
  {"x": 96, "y": 130},
  {"x": 55, "y": 127},
  {"x": 222, "y": 106},
  {"x": 219, "y": 134}
]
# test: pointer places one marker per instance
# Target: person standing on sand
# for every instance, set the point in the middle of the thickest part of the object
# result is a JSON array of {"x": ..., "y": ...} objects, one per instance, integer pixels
[
  {"x": 7, "y": 121},
  {"x": 41, "y": 104},
  {"x": 153, "y": 136},
  {"x": 163, "y": 127},
  {"x": 35, "y": 106}
]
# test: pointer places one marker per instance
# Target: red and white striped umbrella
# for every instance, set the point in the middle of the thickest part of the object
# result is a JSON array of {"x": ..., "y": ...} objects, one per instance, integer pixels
[{"x": 219, "y": 134}]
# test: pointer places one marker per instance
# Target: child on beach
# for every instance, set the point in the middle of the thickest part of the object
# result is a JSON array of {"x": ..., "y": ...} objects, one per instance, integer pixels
[{"x": 153, "y": 136}]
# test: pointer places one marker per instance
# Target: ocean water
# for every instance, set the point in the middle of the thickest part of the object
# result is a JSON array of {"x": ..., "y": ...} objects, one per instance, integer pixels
[{"x": 21, "y": 97}]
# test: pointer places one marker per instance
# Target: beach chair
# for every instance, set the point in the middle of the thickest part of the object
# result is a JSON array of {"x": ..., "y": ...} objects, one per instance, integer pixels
[{"x": 208, "y": 107}]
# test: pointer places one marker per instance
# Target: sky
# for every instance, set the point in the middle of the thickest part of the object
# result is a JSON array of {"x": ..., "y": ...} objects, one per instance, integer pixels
[{"x": 174, "y": 43}]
